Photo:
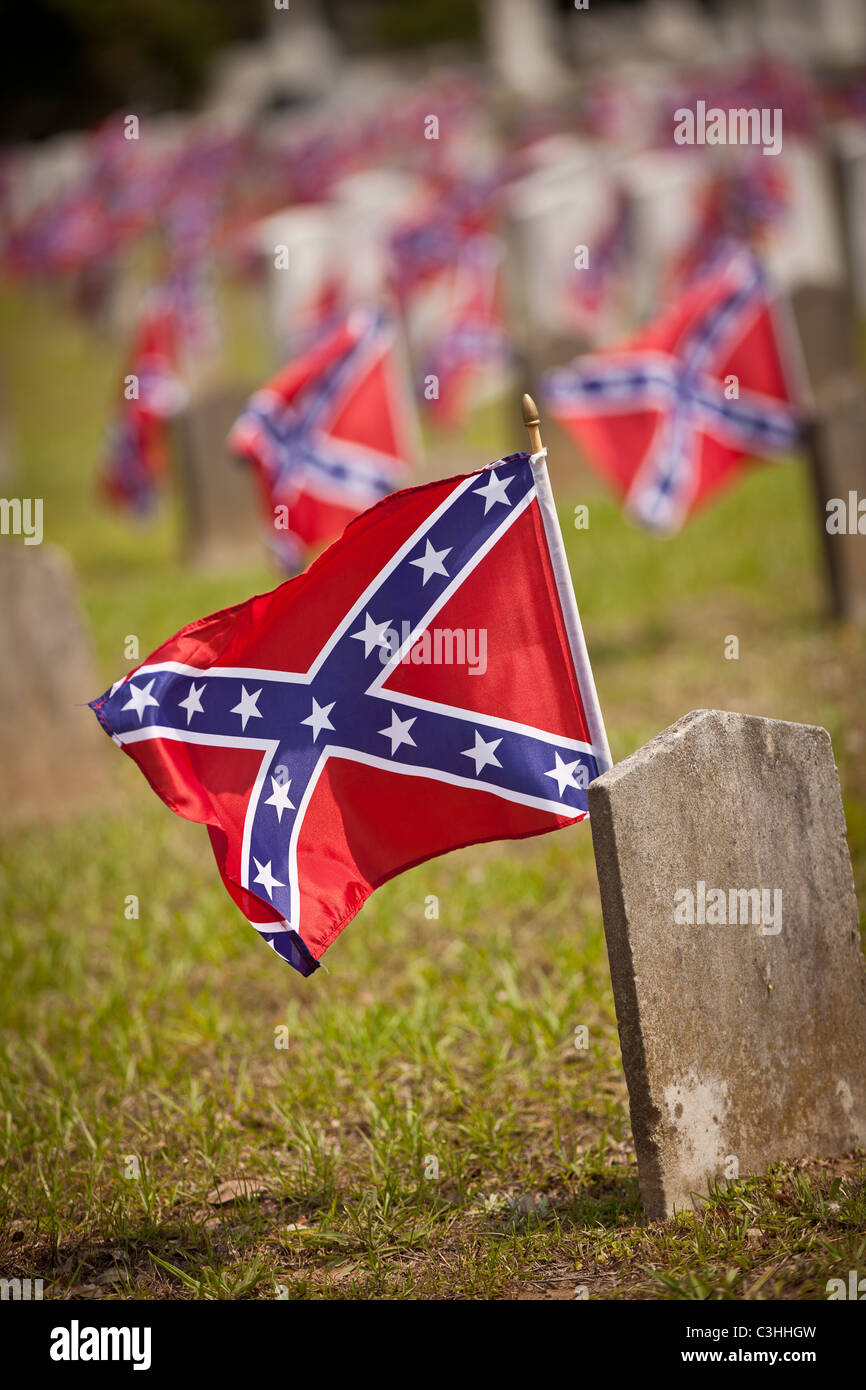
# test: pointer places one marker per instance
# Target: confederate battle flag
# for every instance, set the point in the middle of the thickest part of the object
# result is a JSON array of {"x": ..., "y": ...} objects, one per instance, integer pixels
[
  {"x": 329, "y": 435},
  {"x": 423, "y": 685},
  {"x": 136, "y": 461},
  {"x": 675, "y": 413}
]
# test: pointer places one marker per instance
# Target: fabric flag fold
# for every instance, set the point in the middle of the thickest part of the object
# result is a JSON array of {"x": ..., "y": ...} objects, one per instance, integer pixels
[
  {"x": 424, "y": 685},
  {"x": 673, "y": 414},
  {"x": 330, "y": 434}
]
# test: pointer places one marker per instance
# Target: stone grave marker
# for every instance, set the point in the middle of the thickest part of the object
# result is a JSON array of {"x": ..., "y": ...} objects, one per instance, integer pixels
[
  {"x": 563, "y": 202},
  {"x": 367, "y": 207},
  {"x": 221, "y": 516},
  {"x": 806, "y": 246},
  {"x": 663, "y": 188},
  {"x": 523, "y": 47},
  {"x": 849, "y": 146},
  {"x": 825, "y": 329},
  {"x": 299, "y": 251},
  {"x": 734, "y": 945},
  {"x": 836, "y": 442},
  {"x": 51, "y": 750},
  {"x": 834, "y": 438},
  {"x": 559, "y": 214}
]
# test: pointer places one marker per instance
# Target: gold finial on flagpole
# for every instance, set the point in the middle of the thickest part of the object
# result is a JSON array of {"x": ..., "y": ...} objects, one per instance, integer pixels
[{"x": 531, "y": 421}]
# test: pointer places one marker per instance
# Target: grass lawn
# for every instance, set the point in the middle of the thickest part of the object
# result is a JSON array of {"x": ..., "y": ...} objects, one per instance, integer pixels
[{"x": 184, "y": 1117}]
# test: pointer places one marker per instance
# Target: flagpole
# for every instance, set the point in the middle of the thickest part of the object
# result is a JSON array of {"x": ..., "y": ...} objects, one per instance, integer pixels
[
  {"x": 565, "y": 588},
  {"x": 532, "y": 423}
]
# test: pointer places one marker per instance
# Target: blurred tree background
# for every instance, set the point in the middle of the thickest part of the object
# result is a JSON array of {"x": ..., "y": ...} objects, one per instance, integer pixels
[{"x": 66, "y": 64}]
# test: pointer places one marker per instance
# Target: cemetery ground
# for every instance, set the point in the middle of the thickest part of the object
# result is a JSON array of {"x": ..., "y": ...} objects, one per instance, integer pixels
[{"x": 430, "y": 1128}]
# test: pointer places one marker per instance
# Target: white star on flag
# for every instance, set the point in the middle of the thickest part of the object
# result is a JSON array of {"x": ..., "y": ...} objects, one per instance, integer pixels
[
  {"x": 431, "y": 562},
  {"x": 280, "y": 797},
  {"x": 399, "y": 732},
  {"x": 564, "y": 774},
  {"x": 247, "y": 708},
  {"x": 192, "y": 703},
  {"x": 140, "y": 697},
  {"x": 373, "y": 634},
  {"x": 483, "y": 753},
  {"x": 319, "y": 720},
  {"x": 266, "y": 878},
  {"x": 494, "y": 491}
]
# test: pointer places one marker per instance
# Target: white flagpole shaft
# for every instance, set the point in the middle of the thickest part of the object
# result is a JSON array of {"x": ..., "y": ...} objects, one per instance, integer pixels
[{"x": 565, "y": 589}]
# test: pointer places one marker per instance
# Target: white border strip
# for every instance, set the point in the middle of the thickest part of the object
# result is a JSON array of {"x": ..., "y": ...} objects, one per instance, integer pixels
[
  {"x": 570, "y": 614},
  {"x": 331, "y": 750}
]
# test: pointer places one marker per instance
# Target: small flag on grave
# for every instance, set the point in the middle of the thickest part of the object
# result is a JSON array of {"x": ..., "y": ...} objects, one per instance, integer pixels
[
  {"x": 424, "y": 685},
  {"x": 675, "y": 413},
  {"x": 153, "y": 393},
  {"x": 329, "y": 435}
]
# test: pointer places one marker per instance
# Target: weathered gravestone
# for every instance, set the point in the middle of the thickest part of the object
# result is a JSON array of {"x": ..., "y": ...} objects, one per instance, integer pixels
[
  {"x": 806, "y": 246},
  {"x": 522, "y": 47},
  {"x": 367, "y": 207},
  {"x": 51, "y": 752},
  {"x": 836, "y": 440},
  {"x": 560, "y": 205},
  {"x": 849, "y": 145},
  {"x": 299, "y": 250},
  {"x": 664, "y": 188},
  {"x": 221, "y": 517},
  {"x": 825, "y": 328},
  {"x": 559, "y": 215},
  {"x": 743, "y": 1030},
  {"x": 835, "y": 437}
]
